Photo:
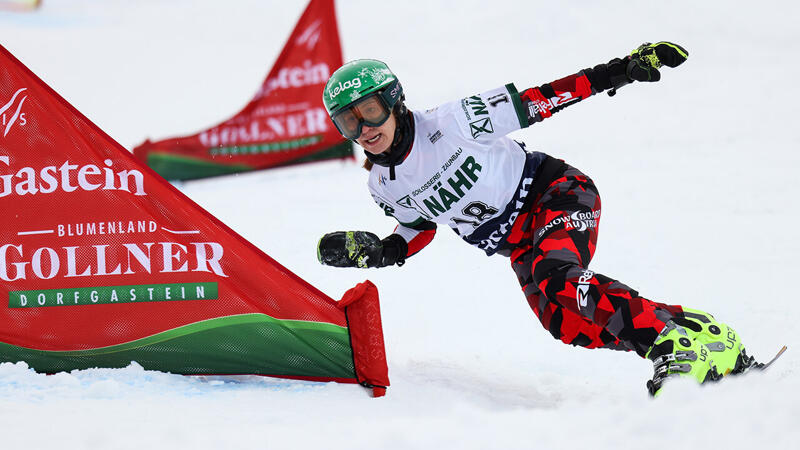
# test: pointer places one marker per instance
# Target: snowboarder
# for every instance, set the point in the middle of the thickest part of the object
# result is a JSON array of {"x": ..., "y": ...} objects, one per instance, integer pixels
[{"x": 455, "y": 165}]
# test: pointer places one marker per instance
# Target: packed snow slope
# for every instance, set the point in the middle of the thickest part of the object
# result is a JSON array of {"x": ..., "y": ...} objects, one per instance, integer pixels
[{"x": 698, "y": 177}]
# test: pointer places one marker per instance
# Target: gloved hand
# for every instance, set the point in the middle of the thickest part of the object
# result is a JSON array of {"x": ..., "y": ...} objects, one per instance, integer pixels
[
  {"x": 645, "y": 61},
  {"x": 350, "y": 249},
  {"x": 643, "y": 64}
]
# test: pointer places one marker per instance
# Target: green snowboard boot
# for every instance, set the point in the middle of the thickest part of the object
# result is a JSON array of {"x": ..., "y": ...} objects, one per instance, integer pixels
[
  {"x": 722, "y": 341},
  {"x": 674, "y": 353}
]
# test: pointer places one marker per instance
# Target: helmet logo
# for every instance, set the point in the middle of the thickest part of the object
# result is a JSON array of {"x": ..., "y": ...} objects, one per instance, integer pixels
[
  {"x": 354, "y": 83},
  {"x": 377, "y": 74}
]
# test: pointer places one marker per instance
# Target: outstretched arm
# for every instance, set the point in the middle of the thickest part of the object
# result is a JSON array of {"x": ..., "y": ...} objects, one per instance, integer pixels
[{"x": 642, "y": 64}]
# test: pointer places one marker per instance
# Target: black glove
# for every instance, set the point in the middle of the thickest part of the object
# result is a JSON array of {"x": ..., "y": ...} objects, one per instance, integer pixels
[
  {"x": 361, "y": 249},
  {"x": 648, "y": 58},
  {"x": 643, "y": 64}
]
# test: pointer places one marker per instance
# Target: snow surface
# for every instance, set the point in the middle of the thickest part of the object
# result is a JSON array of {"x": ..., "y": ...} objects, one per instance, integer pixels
[{"x": 700, "y": 208}]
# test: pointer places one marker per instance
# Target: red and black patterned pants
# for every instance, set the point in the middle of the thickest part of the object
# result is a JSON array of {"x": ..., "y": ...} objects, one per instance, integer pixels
[{"x": 556, "y": 240}]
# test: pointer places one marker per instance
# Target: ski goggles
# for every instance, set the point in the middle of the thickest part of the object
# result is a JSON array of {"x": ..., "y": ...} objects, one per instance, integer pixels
[{"x": 373, "y": 110}]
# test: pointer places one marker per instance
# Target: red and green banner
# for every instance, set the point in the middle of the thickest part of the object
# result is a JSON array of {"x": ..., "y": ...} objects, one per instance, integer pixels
[
  {"x": 103, "y": 262},
  {"x": 285, "y": 123}
]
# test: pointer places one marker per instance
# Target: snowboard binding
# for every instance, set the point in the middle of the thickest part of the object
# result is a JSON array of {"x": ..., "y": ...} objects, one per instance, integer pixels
[{"x": 695, "y": 340}]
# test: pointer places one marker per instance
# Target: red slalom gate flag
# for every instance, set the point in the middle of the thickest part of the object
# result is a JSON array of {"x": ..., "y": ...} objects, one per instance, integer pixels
[
  {"x": 285, "y": 123},
  {"x": 103, "y": 262},
  {"x": 20, "y": 5}
]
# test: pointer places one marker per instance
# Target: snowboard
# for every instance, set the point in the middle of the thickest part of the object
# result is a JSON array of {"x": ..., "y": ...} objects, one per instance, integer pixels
[{"x": 752, "y": 364}]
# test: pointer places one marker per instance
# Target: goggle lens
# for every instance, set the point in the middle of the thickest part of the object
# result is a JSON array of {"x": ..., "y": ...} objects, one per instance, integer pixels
[{"x": 371, "y": 110}]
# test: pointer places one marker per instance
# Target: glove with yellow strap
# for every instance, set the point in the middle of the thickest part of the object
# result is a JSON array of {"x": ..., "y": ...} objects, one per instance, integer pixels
[
  {"x": 648, "y": 58},
  {"x": 643, "y": 63},
  {"x": 361, "y": 249}
]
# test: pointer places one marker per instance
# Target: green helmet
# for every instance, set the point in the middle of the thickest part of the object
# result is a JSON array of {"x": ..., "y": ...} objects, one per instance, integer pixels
[{"x": 356, "y": 81}]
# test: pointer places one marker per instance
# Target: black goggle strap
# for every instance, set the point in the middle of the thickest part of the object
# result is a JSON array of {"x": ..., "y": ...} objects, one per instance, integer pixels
[{"x": 392, "y": 93}]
